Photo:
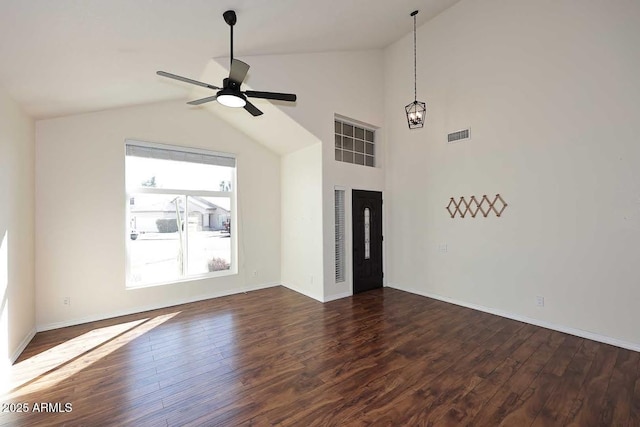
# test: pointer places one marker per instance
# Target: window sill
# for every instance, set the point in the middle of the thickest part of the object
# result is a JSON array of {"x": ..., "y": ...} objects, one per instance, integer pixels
[{"x": 133, "y": 286}]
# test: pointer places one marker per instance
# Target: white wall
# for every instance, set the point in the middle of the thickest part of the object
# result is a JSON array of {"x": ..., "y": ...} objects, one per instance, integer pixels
[
  {"x": 359, "y": 97},
  {"x": 80, "y": 168},
  {"x": 302, "y": 221},
  {"x": 80, "y": 217},
  {"x": 550, "y": 90},
  {"x": 347, "y": 83},
  {"x": 17, "y": 308}
]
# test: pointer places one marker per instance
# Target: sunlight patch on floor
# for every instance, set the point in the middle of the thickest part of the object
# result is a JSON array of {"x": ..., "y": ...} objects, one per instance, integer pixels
[{"x": 65, "y": 360}]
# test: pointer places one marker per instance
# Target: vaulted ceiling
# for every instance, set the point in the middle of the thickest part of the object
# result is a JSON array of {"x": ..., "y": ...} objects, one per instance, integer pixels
[{"x": 66, "y": 57}]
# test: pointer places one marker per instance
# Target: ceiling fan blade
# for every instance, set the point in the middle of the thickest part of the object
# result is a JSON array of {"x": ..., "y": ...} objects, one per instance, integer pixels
[
  {"x": 238, "y": 71},
  {"x": 186, "y": 80},
  {"x": 252, "y": 109},
  {"x": 203, "y": 100},
  {"x": 291, "y": 97}
]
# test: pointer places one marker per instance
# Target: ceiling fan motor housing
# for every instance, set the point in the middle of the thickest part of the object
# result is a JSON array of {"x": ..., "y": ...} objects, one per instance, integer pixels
[{"x": 230, "y": 84}]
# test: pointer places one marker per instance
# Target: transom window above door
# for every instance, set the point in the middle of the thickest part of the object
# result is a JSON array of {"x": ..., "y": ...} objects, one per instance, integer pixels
[{"x": 354, "y": 143}]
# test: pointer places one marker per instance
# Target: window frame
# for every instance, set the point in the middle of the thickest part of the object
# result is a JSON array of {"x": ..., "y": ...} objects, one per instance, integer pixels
[
  {"x": 339, "y": 144},
  {"x": 233, "y": 229}
]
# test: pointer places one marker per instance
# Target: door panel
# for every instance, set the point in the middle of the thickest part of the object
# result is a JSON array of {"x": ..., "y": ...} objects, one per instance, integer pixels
[{"x": 367, "y": 240}]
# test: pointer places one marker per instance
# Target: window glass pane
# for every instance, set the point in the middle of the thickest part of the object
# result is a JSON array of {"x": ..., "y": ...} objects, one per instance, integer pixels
[
  {"x": 208, "y": 234},
  {"x": 369, "y": 148},
  {"x": 171, "y": 174},
  {"x": 348, "y": 143},
  {"x": 367, "y": 239},
  {"x": 369, "y": 135},
  {"x": 155, "y": 249},
  {"x": 354, "y": 144},
  {"x": 176, "y": 230},
  {"x": 369, "y": 161},
  {"x": 347, "y": 129},
  {"x": 347, "y": 156}
]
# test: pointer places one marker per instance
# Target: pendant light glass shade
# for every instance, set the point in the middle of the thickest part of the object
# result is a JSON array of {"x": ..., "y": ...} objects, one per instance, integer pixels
[{"x": 417, "y": 110}]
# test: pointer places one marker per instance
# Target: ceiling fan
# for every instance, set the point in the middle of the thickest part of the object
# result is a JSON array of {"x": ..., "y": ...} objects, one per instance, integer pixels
[{"x": 230, "y": 94}]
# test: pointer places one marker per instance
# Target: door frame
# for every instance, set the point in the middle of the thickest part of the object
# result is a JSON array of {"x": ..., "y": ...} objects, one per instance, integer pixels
[{"x": 349, "y": 231}]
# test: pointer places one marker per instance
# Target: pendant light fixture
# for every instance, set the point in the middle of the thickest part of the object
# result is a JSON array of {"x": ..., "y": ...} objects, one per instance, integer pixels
[{"x": 416, "y": 111}]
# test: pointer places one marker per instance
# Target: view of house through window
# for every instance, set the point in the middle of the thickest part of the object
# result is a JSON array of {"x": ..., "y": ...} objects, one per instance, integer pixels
[{"x": 179, "y": 212}]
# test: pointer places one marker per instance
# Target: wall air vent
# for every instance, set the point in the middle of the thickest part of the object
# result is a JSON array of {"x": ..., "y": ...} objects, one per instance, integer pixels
[{"x": 459, "y": 136}]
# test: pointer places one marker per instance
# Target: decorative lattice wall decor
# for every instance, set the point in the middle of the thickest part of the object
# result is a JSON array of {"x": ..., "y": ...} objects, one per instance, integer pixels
[{"x": 473, "y": 206}]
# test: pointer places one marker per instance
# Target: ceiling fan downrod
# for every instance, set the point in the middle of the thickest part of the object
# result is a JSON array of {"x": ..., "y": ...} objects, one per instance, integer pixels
[{"x": 231, "y": 19}]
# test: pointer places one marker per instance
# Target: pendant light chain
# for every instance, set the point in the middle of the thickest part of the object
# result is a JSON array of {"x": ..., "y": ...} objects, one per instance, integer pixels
[
  {"x": 417, "y": 110},
  {"x": 415, "y": 64}
]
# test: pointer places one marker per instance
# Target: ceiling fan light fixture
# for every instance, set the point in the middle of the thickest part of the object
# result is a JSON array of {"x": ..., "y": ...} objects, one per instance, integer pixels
[
  {"x": 231, "y": 94},
  {"x": 229, "y": 98}
]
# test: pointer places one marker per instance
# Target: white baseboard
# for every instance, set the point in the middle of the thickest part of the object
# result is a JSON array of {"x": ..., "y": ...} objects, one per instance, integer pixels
[
  {"x": 338, "y": 296},
  {"x": 23, "y": 344},
  {"x": 305, "y": 293},
  {"x": 548, "y": 325},
  {"x": 140, "y": 309}
]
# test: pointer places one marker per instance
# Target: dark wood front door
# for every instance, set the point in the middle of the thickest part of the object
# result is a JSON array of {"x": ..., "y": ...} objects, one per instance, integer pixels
[{"x": 367, "y": 240}]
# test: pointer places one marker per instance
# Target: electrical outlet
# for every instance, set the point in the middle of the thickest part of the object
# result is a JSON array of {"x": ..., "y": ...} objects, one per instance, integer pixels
[
  {"x": 443, "y": 248},
  {"x": 66, "y": 301},
  {"x": 540, "y": 301}
]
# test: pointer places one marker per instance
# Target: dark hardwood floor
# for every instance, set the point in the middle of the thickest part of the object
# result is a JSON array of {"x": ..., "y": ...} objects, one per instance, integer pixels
[{"x": 274, "y": 357}]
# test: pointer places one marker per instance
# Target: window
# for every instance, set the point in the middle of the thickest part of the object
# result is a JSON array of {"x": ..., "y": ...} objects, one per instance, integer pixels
[
  {"x": 367, "y": 235},
  {"x": 354, "y": 144},
  {"x": 180, "y": 214},
  {"x": 339, "y": 235}
]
